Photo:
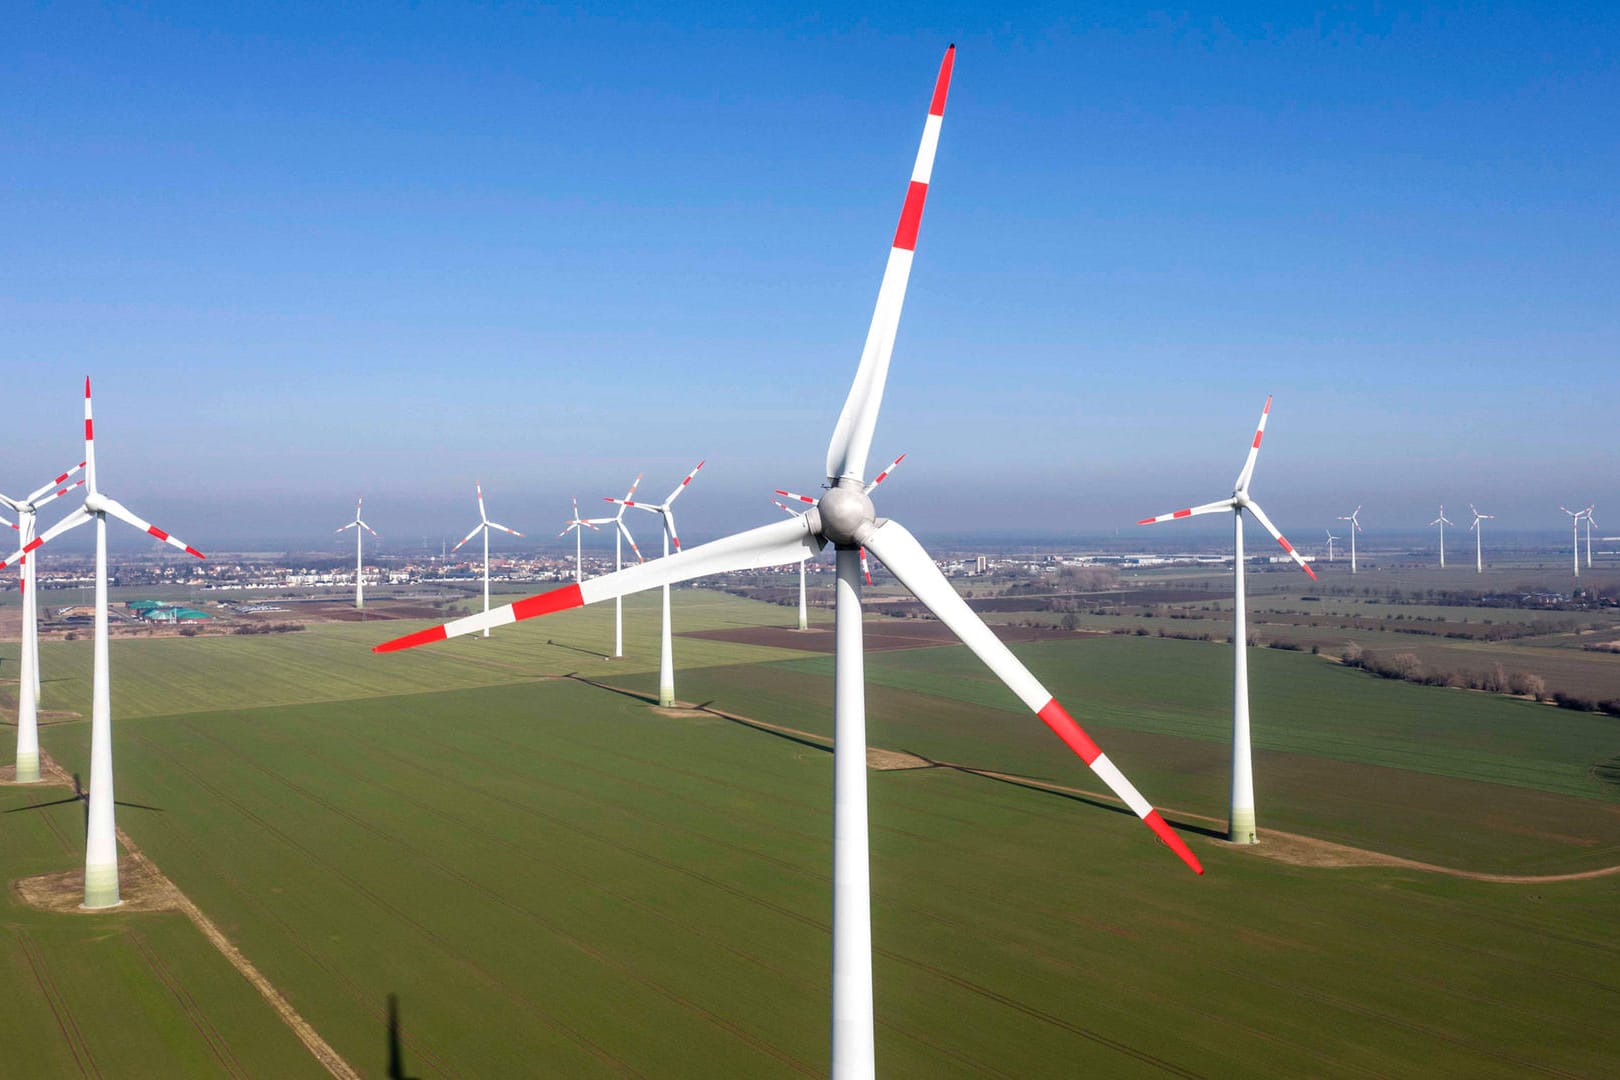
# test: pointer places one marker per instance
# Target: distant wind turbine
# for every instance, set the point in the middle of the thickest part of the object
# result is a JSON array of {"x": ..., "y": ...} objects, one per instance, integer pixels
[
  {"x": 577, "y": 525},
  {"x": 483, "y": 526},
  {"x": 1575, "y": 517},
  {"x": 621, "y": 534},
  {"x": 1442, "y": 521},
  {"x": 1330, "y": 539},
  {"x": 1355, "y": 527},
  {"x": 1478, "y": 531},
  {"x": 666, "y": 646},
  {"x": 27, "y": 510},
  {"x": 1591, "y": 519},
  {"x": 804, "y": 611},
  {"x": 359, "y": 576},
  {"x": 101, "y": 841},
  {"x": 1241, "y": 824}
]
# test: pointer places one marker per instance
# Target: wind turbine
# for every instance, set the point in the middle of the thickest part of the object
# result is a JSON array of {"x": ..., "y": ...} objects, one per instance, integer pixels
[
  {"x": 576, "y": 525},
  {"x": 483, "y": 526},
  {"x": 620, "y": 535},
  {"x": 1442, "y": 521},
  {"x": 844, "y": 516},
  {"x": 804, "y": 611},
  {"x": 1479, "y": 532},
  {"x": 1591, "y": 520},
  {"x": 101, "y": 844},
  {"x": 1331, "y": 538},
  {"x": 27, "y": 510},
  {"x": 666, "y": 647},
  {"x": 1355, "y": 527},
  {"x": 1575, "y": 517},
  {"x": 359, "y": 576},
  {"x": 1241, "y": 824}
]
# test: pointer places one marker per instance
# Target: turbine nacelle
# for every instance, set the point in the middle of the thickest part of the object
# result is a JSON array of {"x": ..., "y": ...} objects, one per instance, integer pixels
[{"x": 844, "y": 516}]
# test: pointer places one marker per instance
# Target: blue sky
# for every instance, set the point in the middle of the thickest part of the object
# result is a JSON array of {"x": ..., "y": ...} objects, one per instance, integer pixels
[{"x": 308, "y": 253}]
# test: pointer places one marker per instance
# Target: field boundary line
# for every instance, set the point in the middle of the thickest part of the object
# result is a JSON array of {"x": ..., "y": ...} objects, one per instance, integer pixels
[{"x": 322, "y": 1051}]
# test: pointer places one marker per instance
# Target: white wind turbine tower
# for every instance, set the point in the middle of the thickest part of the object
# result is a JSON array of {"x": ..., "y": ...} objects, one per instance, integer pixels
[
  {"x": 804, "y": 609},
  {"x": 27, "y": 511},
  {"x": 666, "y": 647},
  {"x": 1575, "y": 517},
  {"x": 1479, "y": 532},
  {"x": 1442, "y": 521},
  {"x": 844, "y": 516},
  {"x": 101, "y": 844},
  {"x": 1331, "y": 539},
  {"x": 1241, "y": 826},
  {"x": 359, "y": 576},
  {"x": 483, "y": 526},
  {"x": 1355, "y": 527},
  {"x": 621, "y": 534},
  {"x": 1591, "y": 520},
  {"x": 577, "y": 526}
]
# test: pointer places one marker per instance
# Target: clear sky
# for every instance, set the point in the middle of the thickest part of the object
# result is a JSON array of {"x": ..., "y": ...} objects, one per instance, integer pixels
[{"x": 313, "y": 252}]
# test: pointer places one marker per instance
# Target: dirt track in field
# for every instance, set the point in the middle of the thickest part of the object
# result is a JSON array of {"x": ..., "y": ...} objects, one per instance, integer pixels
[{"x": 143, "y": 887}]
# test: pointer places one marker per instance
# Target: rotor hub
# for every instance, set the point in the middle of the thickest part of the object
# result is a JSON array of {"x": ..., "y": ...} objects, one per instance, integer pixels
[
  {"x": 846, "y": 516},
  {"x": 95, "y": 502}
]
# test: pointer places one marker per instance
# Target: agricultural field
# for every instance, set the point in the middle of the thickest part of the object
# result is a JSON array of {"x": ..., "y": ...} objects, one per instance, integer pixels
[{"x": 551, "y": 877}]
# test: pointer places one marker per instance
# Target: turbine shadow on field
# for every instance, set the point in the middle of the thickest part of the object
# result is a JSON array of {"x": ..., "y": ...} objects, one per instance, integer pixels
[
  {"x": 594, "y": 654},
  {"x": 1072, "y": 796},
  {"x": 396, "y": 1061},
  {"x": 634, "y": 695},
  {"x": 79, "y": 796}
]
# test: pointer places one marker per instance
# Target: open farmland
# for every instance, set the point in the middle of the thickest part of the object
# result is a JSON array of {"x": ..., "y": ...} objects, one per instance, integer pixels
[{"x": 553, "y": 878}]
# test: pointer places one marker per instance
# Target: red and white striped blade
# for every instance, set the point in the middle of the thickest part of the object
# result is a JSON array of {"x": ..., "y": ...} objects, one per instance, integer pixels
[
  {"x": 594, "y": 522},
  {"x": 60, "y": 480},
  {"x": 682, "y": 485},
  {"x": 1207, "y": 508},
  {"x": 768, "y": 545},
  {"x": 39, "y": 500},
  {"x": 11, "y": 524},
  {"x": 1254, "y": 450},
  {"x": 90, "y": 439},
  {"x": 479, "y": 487},
  {"x": 884, "y": 475},
  {"x": 632, "y": 492},
  {"x": 796, "y": 495},
  {"x": 78, "y": 517},
  {"x": 128, "y": 517},
  {"x": 669, "y": 523},
  {"x": 625, "y": 530},
  {"x": 346, "y": 528},
  {"x": 478, "y": 528},
  {"x": 852, "y": 437},
  {"x": 503, "y": 528},
  {"x": 915, "y": 568},
  {"x": 866, "y": 567},
  {"x": 786, "y": 508},
  {"x": 1260, "y": 516},
  {"x": 368, "y": 528}
]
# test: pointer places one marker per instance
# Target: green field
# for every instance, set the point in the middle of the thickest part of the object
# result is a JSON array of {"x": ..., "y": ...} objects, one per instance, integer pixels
[{"x": 553, "y": 879}]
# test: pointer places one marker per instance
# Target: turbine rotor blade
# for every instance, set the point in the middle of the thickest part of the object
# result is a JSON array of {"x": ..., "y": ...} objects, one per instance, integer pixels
[
  {"x": 90, "y": 441},
  {"x": 1260, "y": 516},
  {"x": 769, "y": 545},
  {"x": 796, "y": 495},
  {"x": 852, "y": 437},
  {"x": 476, "y": 530},
  {"x": 124, "y": 514},
  {"x": 77, "y": 517},
  {"x": 884, "y": 475},
  {"x": 865, "y": 567},
  {"x": 625, "y": 530},
  {"x": 1254, "y": 450},
  {"x": 503, "y": 528},
  {"x": 912, "y": 565},
  {"x": 35, "y": 497},
  {"x": 682, "y": 485},
  {"x": 1207, "y": 508}
]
